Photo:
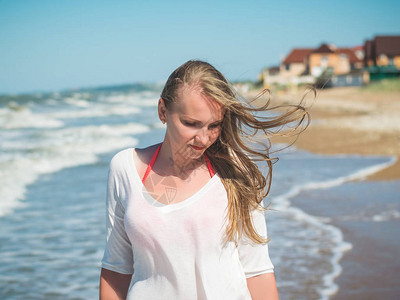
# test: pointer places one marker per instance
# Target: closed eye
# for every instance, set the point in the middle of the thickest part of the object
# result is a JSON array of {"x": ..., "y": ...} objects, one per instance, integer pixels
[
  {"x": 191, "y": 124},
  {"x": 216, "y": 125},
  {"x": 199, "y": 124}
]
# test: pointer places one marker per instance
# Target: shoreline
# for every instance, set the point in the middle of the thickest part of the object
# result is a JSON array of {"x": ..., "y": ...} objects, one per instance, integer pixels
[
  {"x": 367, "y": 221},
  {"x": 352, "y": 121}
]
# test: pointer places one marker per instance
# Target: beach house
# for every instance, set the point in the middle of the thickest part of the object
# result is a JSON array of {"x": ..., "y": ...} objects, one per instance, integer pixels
[
  {"x": 311, "y": 65},
  {"x": 293, "y": 69},
  {"x": 296, "y": 63},
  {"x": 332, "y": 66},
  {"x": 338, "y": 60},
  {"x": 383, "y": 51},
  {"x": 382, "y": 56}
]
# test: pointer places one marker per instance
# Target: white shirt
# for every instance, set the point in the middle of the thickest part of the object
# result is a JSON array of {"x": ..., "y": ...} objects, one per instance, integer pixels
[{"x": 176, "y": 251}]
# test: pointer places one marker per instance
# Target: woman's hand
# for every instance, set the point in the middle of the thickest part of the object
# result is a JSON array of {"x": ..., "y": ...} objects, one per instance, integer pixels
[
  {"x": 113, "y": 285},
  {"x": 263, "y": 287}
]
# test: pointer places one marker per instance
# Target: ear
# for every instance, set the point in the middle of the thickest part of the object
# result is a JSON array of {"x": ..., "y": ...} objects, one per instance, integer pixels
[{"x": 162, "y": 110}]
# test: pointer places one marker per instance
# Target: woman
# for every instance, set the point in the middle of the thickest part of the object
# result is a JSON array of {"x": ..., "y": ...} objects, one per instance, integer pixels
[{"x": 185, "y": 217}]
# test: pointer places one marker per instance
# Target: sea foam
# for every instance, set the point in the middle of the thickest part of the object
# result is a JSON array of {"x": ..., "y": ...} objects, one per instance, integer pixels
[{"x": 51, "y": 151}]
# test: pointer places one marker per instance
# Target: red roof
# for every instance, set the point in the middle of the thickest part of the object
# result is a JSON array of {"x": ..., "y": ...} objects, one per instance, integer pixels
[
  {"x": 357, "y": 48},
  {"x": 298, "y": 55},
  {"x": 324, "y": 48},
  {"x": 350, "y": 54}
]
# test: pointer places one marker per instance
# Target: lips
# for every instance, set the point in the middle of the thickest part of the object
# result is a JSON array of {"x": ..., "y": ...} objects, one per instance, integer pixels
[{"x": 197, "y": 148}]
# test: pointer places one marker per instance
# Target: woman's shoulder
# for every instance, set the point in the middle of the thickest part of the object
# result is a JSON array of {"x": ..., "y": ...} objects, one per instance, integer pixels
[
  {"x": 122, "y": 156},
  {"x": 139, "y": 156},
  {"x": 135, "y": 153}
]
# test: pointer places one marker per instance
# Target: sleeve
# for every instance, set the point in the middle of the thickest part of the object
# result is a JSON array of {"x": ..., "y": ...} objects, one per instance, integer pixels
[
  {"x": 118, "y": 255},
  {"x": 255, "y": 257}
]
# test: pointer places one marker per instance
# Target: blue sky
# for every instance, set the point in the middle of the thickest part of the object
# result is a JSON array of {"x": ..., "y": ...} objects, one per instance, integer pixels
[{"x": 52, "y": 45}]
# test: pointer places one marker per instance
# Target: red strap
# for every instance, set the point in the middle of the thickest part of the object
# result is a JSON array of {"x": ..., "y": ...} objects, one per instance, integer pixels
[
  {"x": 153, "y": 159},
  {"x": 210, "y": 168}
]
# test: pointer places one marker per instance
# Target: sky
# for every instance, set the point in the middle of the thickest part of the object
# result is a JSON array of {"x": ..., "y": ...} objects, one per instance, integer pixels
[{"x": 55, "y": 45}]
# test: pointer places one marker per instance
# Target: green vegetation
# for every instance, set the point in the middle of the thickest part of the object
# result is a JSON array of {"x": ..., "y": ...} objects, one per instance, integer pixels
[{"x": 384, "y": 85}]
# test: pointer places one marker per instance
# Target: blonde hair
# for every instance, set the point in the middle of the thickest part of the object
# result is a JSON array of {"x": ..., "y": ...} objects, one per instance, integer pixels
[{"x": 232, "y": 155}]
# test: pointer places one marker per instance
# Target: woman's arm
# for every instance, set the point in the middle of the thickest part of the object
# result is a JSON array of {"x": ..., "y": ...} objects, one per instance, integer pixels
[
  {"x": 113, "y": 285},
  {"x": 263, "y": 287}
]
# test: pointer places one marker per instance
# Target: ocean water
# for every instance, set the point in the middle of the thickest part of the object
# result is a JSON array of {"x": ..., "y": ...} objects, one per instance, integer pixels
[{"x": 54, "y": 156}]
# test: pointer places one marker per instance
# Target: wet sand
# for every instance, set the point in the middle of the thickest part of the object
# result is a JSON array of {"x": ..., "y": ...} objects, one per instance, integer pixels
[
  {"x": 370, "y": 220},
  {"x": 353, "y": 121}
]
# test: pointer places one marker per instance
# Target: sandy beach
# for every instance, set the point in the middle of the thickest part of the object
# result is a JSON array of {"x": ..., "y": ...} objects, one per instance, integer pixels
[
  {"x": 352, "y": 121},
  {"x": 357, "y": 122}
]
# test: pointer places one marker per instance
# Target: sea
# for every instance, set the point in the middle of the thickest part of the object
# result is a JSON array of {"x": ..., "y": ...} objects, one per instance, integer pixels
[{"x": 55, "y": 150}]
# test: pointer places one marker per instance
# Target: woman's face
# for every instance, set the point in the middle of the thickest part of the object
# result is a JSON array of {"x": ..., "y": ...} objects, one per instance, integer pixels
[{"x": 193, "y": 122}]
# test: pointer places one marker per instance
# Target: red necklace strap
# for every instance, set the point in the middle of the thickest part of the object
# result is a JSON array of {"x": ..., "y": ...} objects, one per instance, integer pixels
[{"x": 153, "y": 159}]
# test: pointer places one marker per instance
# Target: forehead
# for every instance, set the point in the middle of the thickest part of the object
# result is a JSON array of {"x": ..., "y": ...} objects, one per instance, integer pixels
[{"x": 191, "y": 102}]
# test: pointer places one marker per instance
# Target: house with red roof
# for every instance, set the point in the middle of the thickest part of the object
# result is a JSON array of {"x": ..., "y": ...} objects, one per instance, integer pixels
[
  {"x": 292, "y": 68},
  {"x": 338, "y": 60},
  {"x": 328, "y": 65},
  {"x": 296, "y": 63},
  {"x": 305, "y": 65}
]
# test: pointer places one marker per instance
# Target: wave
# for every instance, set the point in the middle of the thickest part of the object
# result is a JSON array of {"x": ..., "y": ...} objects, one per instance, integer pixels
[
  {"x": 97, "y": 111},
  {"x": 144, "y": 99},
  {"x": 51, "y": 151},
  {"x": 51, "y": 112},
  {"x": 24, "y": 118}
]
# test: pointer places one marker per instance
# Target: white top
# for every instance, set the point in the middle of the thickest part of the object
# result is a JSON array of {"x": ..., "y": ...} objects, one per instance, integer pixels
[{"x": 176, "y": 251}]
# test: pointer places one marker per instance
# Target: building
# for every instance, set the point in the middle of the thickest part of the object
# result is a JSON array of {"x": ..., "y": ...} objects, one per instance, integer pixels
[
  {"x": 296, "y": 63},
  {"x": 308, "y": 65},
  {"x": 382, "y": 57},
  {"x": 293, "y": 69},
  {"x": 338, "y": 61},
  {"x": 383, "y": 51},
  {"x": 271, "y": 76}
]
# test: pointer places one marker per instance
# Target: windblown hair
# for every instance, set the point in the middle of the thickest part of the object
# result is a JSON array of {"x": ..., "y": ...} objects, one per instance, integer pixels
[{"x": 234, "y": 154}]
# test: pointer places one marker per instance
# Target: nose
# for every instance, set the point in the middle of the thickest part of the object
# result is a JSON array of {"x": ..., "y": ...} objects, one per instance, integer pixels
[{"x": 203, "y": 136}]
